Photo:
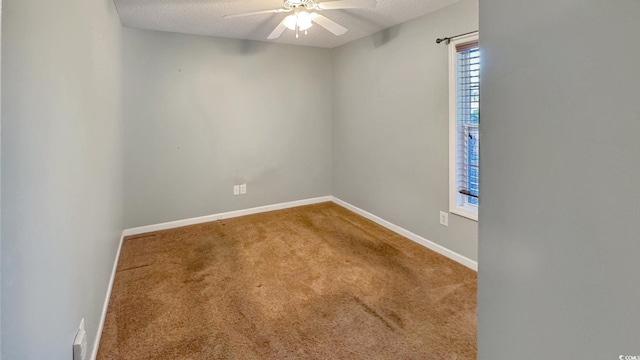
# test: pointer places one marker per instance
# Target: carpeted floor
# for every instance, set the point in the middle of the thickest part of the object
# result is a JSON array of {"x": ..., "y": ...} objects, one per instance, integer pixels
[{"x": 314, "y": 282}]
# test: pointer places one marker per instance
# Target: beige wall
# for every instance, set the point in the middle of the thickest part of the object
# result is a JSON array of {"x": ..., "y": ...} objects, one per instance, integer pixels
[
  {"x": 560, "y": 165},
  {"x": 391, "y": 123},
  {"x": 203, "y": 114},
  {"x": 61, "y": 171}
]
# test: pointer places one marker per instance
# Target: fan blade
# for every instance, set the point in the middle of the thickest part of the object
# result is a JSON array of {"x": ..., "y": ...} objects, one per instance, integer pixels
[
  {"x": 328, "y": 24},
  {"x": 347, "y": 4},
  {"x": 272, "y": 11},
  {"x": 277, "y": 31}
]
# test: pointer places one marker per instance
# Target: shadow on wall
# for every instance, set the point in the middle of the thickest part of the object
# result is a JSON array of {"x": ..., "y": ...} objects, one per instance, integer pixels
[
  {"x": 247, "y": 47},
  {"x": 250, "y": 47},
  {"x": 381, "y": 37},
  {"x": 385, "y": 36},
  {"x": 241, "y": 47}
]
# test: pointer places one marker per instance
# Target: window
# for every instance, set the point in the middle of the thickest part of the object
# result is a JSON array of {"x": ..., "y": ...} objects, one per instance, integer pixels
[{"x": 464, "y": 119}]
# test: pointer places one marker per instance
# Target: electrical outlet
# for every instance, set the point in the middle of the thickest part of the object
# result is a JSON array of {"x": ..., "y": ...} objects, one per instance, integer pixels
[
  {"x": 236, "y": 189},
  {"x": 444, "y": 218},
  {"x": 80, "y": 343},
  {"x": 243, "y": 189}
]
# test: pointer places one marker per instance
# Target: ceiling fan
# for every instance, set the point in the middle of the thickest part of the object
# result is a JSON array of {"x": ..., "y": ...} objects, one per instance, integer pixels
[{"x": 303, "y": 15}]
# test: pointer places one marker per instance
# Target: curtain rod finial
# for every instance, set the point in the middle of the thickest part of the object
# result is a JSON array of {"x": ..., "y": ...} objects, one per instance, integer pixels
[{"x": 447, "y": 40}]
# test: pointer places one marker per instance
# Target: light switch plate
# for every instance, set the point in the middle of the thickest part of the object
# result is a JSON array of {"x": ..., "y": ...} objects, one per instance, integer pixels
[{"x": 444, "y": 218}]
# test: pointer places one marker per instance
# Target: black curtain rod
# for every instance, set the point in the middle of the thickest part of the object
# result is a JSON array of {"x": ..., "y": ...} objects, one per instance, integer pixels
[{"x": 447, "y": 40}]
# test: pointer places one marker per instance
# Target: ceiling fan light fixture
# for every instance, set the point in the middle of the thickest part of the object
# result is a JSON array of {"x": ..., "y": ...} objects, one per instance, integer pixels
[
  {"x": 301, "y": 19},
  {"x": 305, "y": 26},
  {"x": 290, "y": 22},
  {"x": 304, "y": 19}
]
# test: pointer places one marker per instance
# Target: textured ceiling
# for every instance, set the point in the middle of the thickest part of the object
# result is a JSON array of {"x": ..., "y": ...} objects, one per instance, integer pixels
[{"x": 205, "y": 17}]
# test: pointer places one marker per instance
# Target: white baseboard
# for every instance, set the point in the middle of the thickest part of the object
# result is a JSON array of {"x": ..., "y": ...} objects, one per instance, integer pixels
[
  {"x": 96, "y": 344},
  {"x": 411, "y": 236},
  {"x": 225, "y": 215}
]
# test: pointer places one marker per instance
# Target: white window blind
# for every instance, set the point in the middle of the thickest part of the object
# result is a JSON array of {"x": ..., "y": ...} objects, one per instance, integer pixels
[{"x": 467, "y": 121}]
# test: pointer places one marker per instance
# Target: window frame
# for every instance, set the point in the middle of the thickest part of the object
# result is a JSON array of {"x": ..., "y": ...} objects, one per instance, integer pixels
[{"x": 465, "y": 210}]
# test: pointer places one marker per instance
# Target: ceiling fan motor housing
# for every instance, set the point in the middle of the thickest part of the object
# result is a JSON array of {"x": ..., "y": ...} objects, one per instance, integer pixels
[{"x": 296, "y": 4}]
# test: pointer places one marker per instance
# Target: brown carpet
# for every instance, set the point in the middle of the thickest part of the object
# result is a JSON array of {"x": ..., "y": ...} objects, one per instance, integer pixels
[{"x": 314, "y": 282}]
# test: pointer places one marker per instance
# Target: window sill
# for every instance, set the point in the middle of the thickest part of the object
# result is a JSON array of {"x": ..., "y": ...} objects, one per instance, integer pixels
[{"x": 469, "y": 213}]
